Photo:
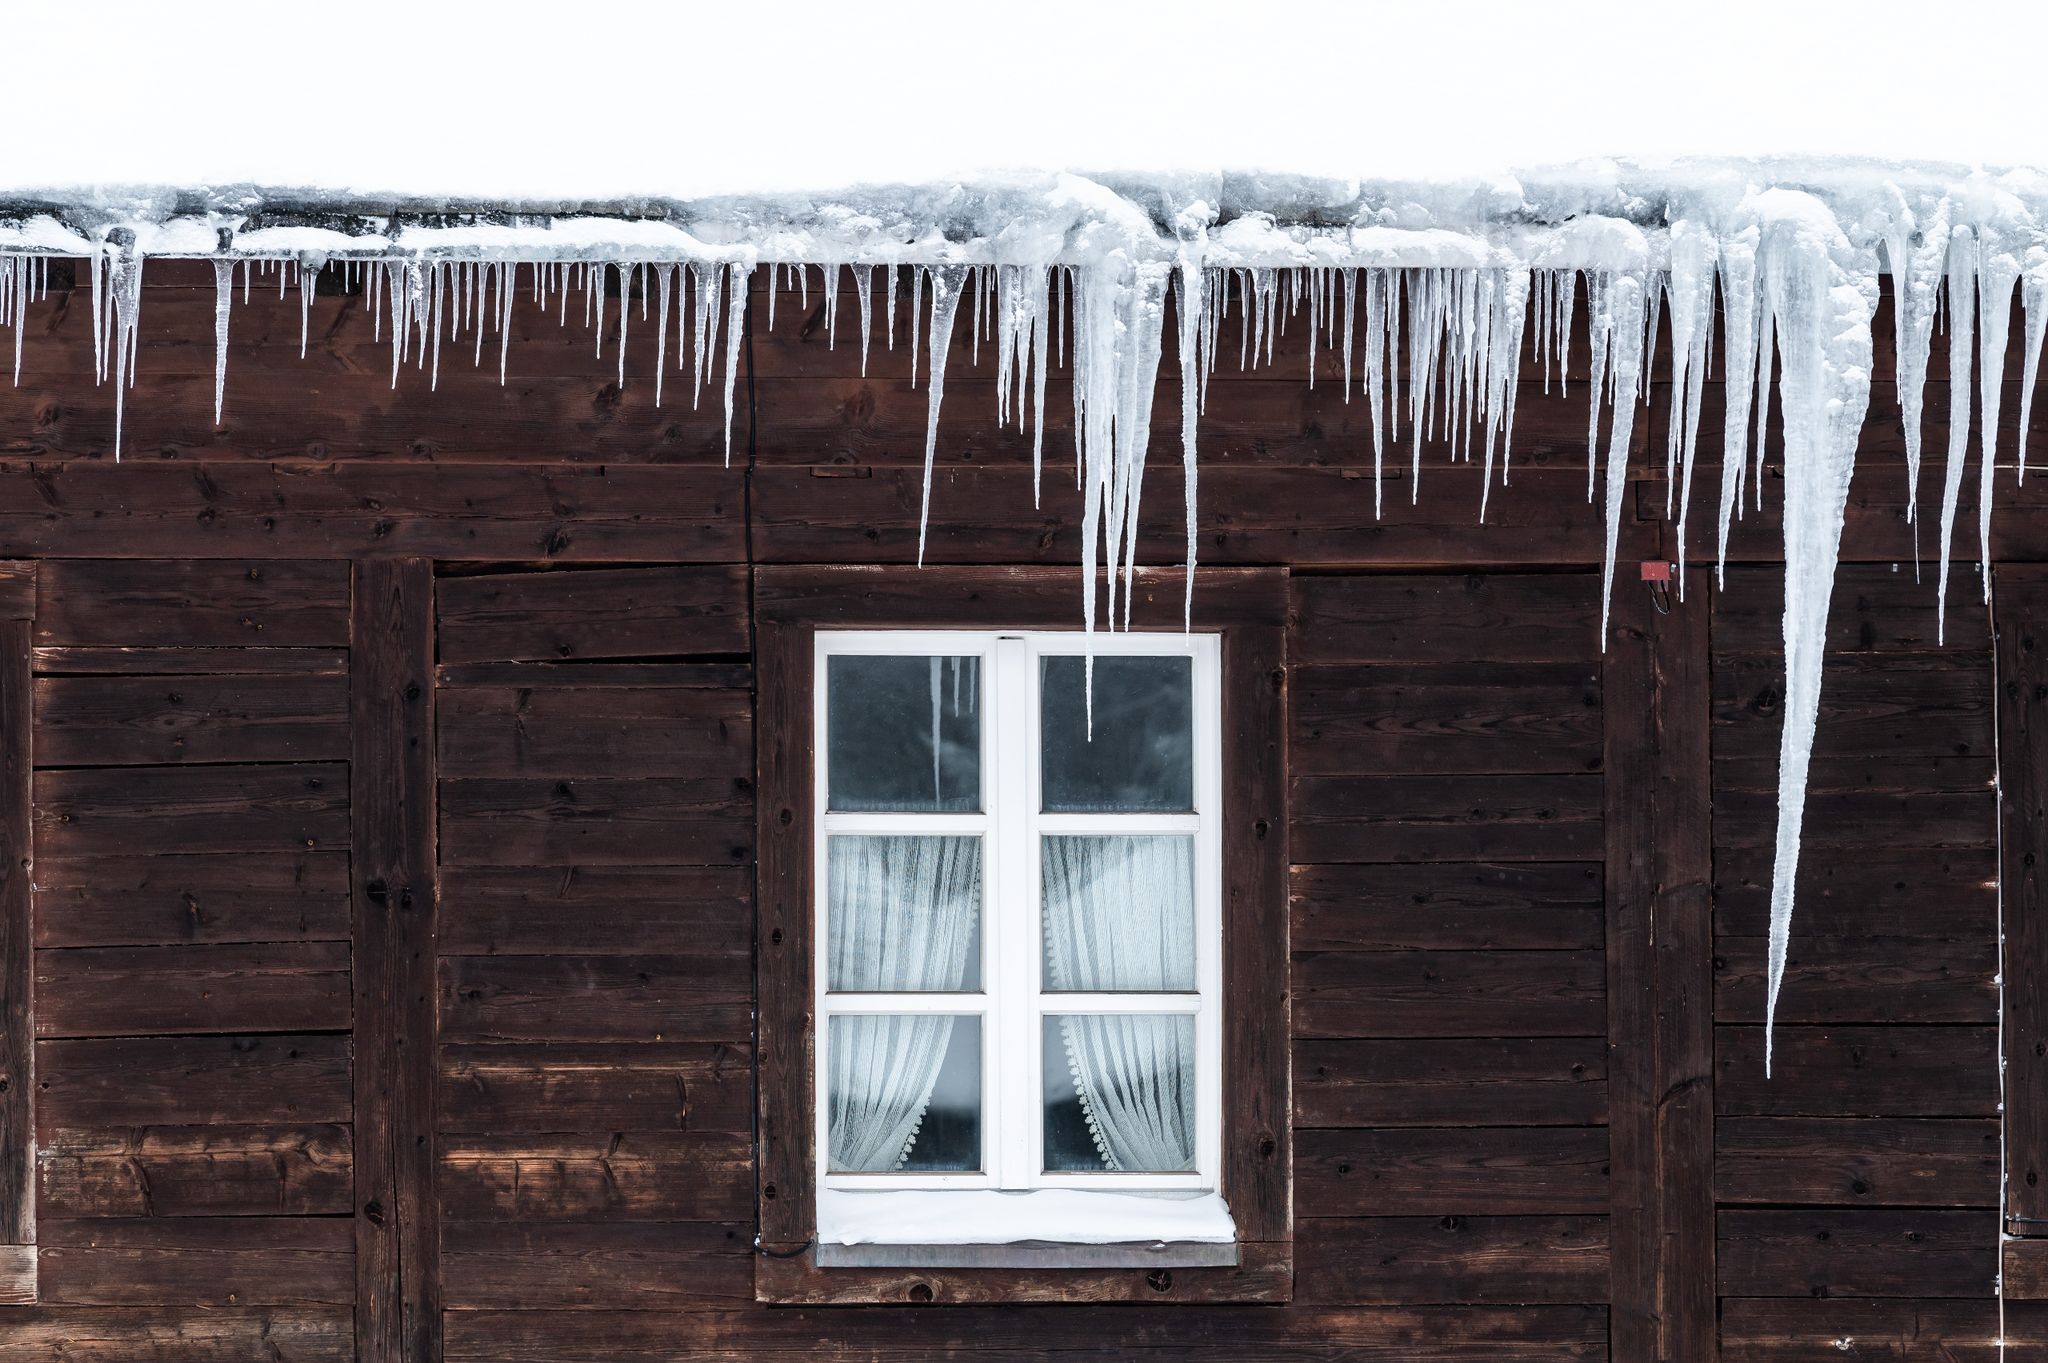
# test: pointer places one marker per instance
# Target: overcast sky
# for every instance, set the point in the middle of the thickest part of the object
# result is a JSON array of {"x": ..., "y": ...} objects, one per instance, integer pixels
[{"x": 594, "y": 97}]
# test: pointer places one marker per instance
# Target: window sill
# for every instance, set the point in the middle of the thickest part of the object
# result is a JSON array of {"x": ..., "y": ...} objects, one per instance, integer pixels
[{"x": 1043, "y": 1222}]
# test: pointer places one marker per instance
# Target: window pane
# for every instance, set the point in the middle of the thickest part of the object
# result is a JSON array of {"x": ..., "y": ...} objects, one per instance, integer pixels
[
  {"x": 905, "y": 733},
  {"x": 1119, "y": 913},
  {"x": 903, "y": 914},
  {"x": 1141, "y": 755},
  {"x": 1119, "y": 1093},
  {"x": 904, "y": 1092}
]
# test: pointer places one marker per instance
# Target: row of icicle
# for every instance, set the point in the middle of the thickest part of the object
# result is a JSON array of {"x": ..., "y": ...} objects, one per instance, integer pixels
[{"x": 1438, "y": 348}]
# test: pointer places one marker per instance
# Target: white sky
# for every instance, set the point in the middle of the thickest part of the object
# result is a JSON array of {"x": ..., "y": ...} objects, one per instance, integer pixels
[{"x": 597, "y": 97}]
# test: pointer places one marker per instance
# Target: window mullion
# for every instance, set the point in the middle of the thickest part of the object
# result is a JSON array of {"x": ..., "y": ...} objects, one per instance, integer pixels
[{"x": 1011, "y": 811}]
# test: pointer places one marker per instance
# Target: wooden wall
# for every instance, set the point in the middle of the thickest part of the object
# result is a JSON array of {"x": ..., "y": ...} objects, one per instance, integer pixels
[{"x": 392, "y": 817}]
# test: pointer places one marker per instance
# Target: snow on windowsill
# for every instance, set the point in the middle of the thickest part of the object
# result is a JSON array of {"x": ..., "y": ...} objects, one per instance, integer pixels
[{"x": 984, "y": 1216}]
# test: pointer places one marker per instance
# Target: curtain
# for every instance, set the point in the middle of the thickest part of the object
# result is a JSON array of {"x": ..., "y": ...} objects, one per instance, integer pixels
[
  {"x": 1120, "y": 916},
  {"x": 901, "y": 915}
]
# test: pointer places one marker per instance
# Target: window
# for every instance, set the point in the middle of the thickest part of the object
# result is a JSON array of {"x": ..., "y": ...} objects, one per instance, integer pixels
[
  {"x": 1019, "y": 945},
  {"x": 1057, "y": 1007}
]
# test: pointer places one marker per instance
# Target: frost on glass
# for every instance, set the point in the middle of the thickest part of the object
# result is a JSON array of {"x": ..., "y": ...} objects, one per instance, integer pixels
[
  {"x": 1119, "y": 1093},
  {"x": 1119, "y": 913},
  {"x": 903, "y": 1093},
  {"x": 1138, "y": 755},
  {"x": 903, "y": 914},
  {"x": 904, "y": 734}
]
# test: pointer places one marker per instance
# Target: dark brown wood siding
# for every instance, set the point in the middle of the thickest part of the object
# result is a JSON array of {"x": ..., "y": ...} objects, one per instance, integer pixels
[{"x": 417, "y": 1021}]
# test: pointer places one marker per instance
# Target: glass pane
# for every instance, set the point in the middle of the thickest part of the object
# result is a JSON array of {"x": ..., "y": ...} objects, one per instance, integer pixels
[
  {"x": 905, "y": 1093},
  {"x": 1119, "y": 1093},
  {"x": 905, "y": 733},
  {"x": 1119, "y": 913},
  {"x": 1140, "y": 757},
  {"x": 903, "y": 914}
]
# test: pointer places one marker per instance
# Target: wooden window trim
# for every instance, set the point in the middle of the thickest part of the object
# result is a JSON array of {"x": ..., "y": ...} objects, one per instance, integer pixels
[{"x": 1248, "y": 607}]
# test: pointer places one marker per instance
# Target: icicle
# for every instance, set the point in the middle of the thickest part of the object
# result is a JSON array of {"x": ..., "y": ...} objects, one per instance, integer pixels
[
  {"x": 1998, "y": 274},
  {"x": 1963, "y": 263},
  {"x": 1619, "y": 309},
  {"x": 1693, "y": 262},
  {"x": 864, "y": 290},
  {"x": 664, "y": 284},
  {"x": 917, "y": 274},
  {"x": 123, "y": 302},
  {"x": 1739, "y": 323},
  {"x": 2034, "y": 295},
  {"x": 309, "y": 278},
  {"x": 947, "y": 283},
  {"x": 223, "y": 299},
  {"x": 735, "y": 323},
  {"x": 1821, "y": 296},
  {"x": 1916, "y": 250},
  {"x": 1187, "y": 300},
  {"x": 626, "y": 274}
]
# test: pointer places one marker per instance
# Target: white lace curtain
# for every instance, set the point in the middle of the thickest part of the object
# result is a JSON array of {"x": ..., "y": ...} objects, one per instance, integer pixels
[
  {"x": 901, "y": 915},
  {"x": 1120, "y": 917}
]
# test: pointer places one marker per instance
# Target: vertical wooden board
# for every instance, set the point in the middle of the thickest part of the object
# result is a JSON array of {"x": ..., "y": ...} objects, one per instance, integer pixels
[
  {"x": 1657, "y": 709},
  {"x": 398, "y": 1314},
  {"x": 2022, "y": 654},
  {"x": 17, "y": 981}
]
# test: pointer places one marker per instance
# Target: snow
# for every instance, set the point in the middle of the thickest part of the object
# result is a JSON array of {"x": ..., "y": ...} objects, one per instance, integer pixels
[
  {"x": 1426, "y": 288},
  {"x": 984, "y": 1216}
]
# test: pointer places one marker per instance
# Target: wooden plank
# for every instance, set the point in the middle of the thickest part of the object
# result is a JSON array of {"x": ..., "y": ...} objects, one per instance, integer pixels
[
  {"x": 558, "y": 1086},
  {"x": 192, "y": 602},
  {"x": 1480, "y": 617},
  {"x": 87, "y": 661},
  {"x": 1446, "y": 818},
  {"x": 1876, "y": 607},
  {"x": 642, "y": 1176},
  {"x": 1860, "y": 979},
  {"x": 1902, "y": 704},
  {"x": 1297, "y": 516},
  {"x": 171, "y": 899},
  {"x": 192, "y": 1081},
  {"x": 1542, "y": 1081},
  {"x": 1836, "y": 1252},
  {"x": 1874, "y": 1162},
  {"x": 1449, "y": 993},
  {"x": 2026, "y": 1269},
  {"x": 878, "y": 596},
  {"x": 596, "y": 821},
  {"x": 1748, "y": 818},
  {"x": 1858, "y": 1071},
  {"x": 94, "y": 811},
  {"x": 511, "y": 508},
  {"x": 595, "y": 910},
  {"x": 672, "y": 997},
  {"x": 1489, "y": 718},
  {"x": 1448, "y": 907},
  {"x": 1784, "y": 1330},
  {"x": 137, "y": 721},
  {"x": 1502, "y": 1171},
  {"x": 1261, "y": 1274},
  {"x": 1898, "y": 890},
  {"x": 786, "y": 664},
  {"x": 94, "y": 1334},
  {"x": 177, "y": 1171},
  {"x": 18, "y": 1078},
  {"x": 18, "y": 579},
  {"x": 1001, "y": 1334},
  {"x": 674, "y": 1266},
  {"x": 18, "y": 1277},
  {"x": 198, "y": 1262},
  {"x": 141, "y": 991},
  {"x": 588, "y": 676},
  {"x": 524, "y": 732},
  {"x": 608, "y": 613},
  {"x": 1452, "y": 1259},
  {"x": 2022, "y": 664},
  {"x": 397, "y": 1223}
]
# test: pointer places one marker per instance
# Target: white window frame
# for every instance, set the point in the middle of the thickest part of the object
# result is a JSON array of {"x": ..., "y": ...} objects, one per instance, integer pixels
[{"x": 1013, "y": 1001}]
